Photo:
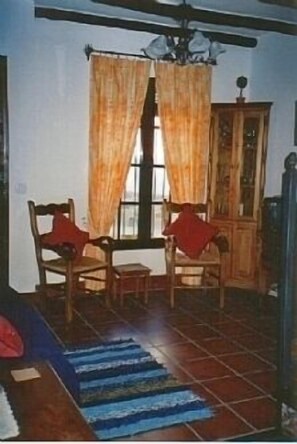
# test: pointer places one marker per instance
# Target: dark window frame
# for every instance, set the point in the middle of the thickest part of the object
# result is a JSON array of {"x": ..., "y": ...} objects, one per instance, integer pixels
[{"x": 147, "y": 127}]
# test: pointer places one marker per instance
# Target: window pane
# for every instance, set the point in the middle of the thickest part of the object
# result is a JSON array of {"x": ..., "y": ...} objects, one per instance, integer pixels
[
  {"x": 114, "y": 229},
  {"x": 131, "y": 192},
  {"x": 138, "y": 204},
  {"x": 160, "y": 188},
  {"x": 156, "y": 221},
  {"x": 137, "y": 155},
  {"x": 158, "y": 148},
  {"x": 129, "y": 221}
]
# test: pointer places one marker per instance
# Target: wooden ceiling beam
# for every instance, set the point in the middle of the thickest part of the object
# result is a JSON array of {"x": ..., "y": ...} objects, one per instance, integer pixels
[
  {"x": 91, "y": 19},
  {"x": 203, "y": 16}
]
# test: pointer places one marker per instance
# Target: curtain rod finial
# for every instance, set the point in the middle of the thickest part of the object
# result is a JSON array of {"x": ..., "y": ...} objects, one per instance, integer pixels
[{"x": 88, "y": 51}]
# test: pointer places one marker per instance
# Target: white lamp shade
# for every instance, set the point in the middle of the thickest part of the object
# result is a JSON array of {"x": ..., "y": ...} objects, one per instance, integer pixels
[
  {"x": 215, "y": 50},
  {"x": 199, "y": 43},
  {"x": 158, "y": 48}
]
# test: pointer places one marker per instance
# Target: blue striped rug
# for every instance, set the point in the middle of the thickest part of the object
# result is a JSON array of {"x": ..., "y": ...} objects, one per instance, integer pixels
[{"x": 125, "y": 391}]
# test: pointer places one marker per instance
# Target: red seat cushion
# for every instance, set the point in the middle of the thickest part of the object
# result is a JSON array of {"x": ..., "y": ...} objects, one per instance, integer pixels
[
  {"x": 11, "y": 344},
  {"x": 192, "y": 234},
  {"x": 66, "y": 231}
]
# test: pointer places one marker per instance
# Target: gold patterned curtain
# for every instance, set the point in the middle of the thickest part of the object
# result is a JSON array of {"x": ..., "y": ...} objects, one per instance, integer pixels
[
  {"x": 117, "y": 92},
  {"x": 184, "y": 108}
]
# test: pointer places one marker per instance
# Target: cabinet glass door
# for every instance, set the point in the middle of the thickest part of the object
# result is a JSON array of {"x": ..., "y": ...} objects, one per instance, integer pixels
[
  {"x": 250, "y": 137},
  {"x": 223, "y": 163}
]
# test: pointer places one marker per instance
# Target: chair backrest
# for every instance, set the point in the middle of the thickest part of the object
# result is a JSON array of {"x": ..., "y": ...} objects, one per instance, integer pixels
[
  {"x": 39, "y": 211},
  {"x": 169, "y": 209}
]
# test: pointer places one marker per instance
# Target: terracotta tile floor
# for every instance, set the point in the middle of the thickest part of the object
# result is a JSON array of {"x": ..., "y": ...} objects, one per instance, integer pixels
[{"x": 228, "y": 356}]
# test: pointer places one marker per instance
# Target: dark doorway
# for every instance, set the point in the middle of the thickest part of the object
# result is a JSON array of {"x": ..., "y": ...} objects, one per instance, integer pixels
[{"x": 4, "y": 210}]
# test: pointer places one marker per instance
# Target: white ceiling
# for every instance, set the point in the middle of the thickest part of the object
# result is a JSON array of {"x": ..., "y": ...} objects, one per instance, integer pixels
[{"x": 265, "y": 9}]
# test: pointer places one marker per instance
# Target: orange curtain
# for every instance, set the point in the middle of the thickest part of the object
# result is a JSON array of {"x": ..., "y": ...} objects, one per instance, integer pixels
[
  {"x": 117, "y": 92},
  {"x": 184, "y": 108}
]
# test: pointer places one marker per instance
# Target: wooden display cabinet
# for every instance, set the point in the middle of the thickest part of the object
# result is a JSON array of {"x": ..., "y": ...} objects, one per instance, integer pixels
[{"x": 238, "y": 145}]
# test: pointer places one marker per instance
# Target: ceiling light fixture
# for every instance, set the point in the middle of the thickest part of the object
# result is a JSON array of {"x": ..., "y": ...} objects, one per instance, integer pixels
[{"x": 191, "y": 47}]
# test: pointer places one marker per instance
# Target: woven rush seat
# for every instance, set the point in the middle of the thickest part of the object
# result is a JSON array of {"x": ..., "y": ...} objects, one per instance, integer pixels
[
  {"x": 206, "y": 258},
  {"x": 86, "y": 264}
]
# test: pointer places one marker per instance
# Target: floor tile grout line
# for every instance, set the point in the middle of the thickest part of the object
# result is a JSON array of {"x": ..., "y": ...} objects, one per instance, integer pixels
[
  {"x": 227, "y": 406},
  {"x": 245, "y": 435},
  {"x": 123, "y": 319},
  {"x": 241, "y": 375},
  {"x": 256, "y": 397},
  {"x": 175, "y": 362},
  {"x": 245, "y": 349},
  {"x": 262, "y": 394},
  {"x": 90, "y": 326},
  {"x": 253, "y": 330},
  {"x": 52, "y": 331},
  {"x": 229, "y": 316},
  {"x": 217, "y": 356},
  {"x": 188, "y": 425},
  {"x": 244, "y": 324},
  {"x": 230, "y": 403},
  {"x": 128, "y": 323}
]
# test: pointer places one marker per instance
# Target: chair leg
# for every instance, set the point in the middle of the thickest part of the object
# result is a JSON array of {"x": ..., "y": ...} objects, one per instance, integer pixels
[
  {"x": 110, "y": 289},
  {"x": 69, "y": 291},
  {"x": 172, "y": 297},
  {"x": 114, "y": 288},
  {"x": 222, "y": 296},
  {"x": 171, "y": 290},
  {"x": 42, "y": 298},
  {"x": 121, "y": 291},
  {"x": 146, "y": 288},
  {"x": 69, "y": 312},
  {"x": 170, "y": 283},
  {"x": 42, "y": 289},
  {"x": 222, "y": 290}
]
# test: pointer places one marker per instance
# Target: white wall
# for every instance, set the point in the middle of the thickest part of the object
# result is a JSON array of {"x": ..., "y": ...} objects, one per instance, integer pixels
[
  {"x": 48, "y": 89},
  {"x": 274, "y": 78}
]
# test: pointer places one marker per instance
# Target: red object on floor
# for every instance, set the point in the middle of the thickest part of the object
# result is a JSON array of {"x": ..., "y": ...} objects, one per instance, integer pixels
[{"x": 11, "y": 344}]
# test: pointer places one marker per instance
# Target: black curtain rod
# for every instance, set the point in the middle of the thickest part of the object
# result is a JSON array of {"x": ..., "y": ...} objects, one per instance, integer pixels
[{"x": 88, "y": 50}]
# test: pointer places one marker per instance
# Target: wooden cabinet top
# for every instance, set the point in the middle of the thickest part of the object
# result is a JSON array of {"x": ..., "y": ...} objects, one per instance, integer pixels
[{"x": 242, "y": 106}]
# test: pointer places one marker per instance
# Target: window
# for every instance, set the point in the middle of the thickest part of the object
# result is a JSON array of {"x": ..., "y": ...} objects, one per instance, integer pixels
[{"x": 139, "y": 219}]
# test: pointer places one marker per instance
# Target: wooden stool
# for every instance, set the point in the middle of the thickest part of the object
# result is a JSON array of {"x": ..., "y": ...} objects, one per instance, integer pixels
[{"x": 131, "y": 271}]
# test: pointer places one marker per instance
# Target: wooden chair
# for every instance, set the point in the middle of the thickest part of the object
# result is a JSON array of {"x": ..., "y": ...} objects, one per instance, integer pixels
[
  {"x": 206, "y": 271},
  {"x": 65, "y": 263}
]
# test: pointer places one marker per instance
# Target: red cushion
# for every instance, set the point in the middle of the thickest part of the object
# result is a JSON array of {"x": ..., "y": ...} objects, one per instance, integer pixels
[
  {"x": 66, "y": 231},
  {"x": 11, "y": 344},
  {"x": 192, "y": 234}
]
